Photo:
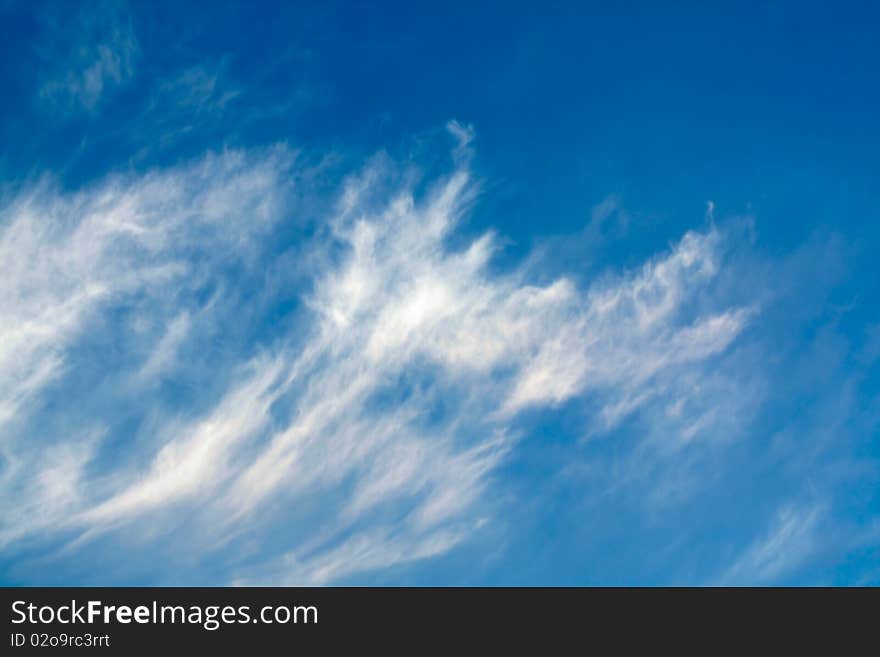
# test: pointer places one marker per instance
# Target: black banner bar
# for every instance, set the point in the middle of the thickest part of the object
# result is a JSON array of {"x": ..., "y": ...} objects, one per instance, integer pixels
[{"x": 129, "y": 620}]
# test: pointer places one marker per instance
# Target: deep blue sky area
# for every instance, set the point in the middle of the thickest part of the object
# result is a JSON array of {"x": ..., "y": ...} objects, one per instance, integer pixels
[{"x": 598, "y": 135}]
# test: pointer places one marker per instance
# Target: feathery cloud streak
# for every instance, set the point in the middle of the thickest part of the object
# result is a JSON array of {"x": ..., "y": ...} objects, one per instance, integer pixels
[
  {"x": 101, "y": 59},
  {"x": 361, "y": 435}
]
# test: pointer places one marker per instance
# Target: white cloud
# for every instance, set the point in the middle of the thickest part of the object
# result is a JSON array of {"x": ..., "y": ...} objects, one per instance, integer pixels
[
  {"x": 366, "y": 432},
  {"x": 71, "y": 261}
]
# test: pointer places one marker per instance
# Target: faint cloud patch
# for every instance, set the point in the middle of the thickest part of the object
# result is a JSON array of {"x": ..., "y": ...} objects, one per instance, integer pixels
[
  {"x": 790, "y": 541},
  {"x": 100, "y": 60}
]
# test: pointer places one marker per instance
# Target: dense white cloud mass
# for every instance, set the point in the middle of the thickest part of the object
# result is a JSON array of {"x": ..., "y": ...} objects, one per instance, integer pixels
[{"x": 354, "y": 430}]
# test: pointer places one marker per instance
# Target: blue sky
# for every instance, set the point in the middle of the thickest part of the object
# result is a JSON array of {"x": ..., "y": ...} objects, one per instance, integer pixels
[{"x": 377, "y": 293}]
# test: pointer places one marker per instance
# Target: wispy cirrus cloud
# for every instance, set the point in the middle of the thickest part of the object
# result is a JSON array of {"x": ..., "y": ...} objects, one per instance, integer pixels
[
  {"x": 789, "y": 541},
  {"x": 97, "y": 283},
  {"x": 355, "y": 428},
  {"x": 100, "y": 58}
]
